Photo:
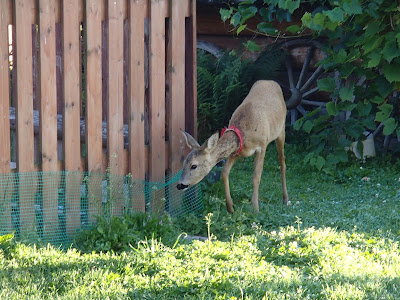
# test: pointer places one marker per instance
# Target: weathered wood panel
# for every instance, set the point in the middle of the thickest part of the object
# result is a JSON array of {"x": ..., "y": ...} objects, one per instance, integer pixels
[
  {"x": 136, "y": 87},
  {"x": 71, "y": 115},
  {"x": 94, "y": 130},
  {"x": 176, "y": 69},
  {"x": 115, "y": 97},
  {"x": 5, "y": 145},
  {"x": 125, "y": 65},
  {"x": 157, "y": 97},
  {"x": 24, "y": 116},
  {"x": 115, "y": 85},
  {"x": 48, "y": 114}
]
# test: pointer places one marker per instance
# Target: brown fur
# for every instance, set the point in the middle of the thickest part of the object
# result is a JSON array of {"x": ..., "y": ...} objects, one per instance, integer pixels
[{"x": 261, "y": 120}]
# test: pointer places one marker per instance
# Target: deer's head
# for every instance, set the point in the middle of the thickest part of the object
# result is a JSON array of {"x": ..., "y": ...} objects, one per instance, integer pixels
[{"x": 199, "y": 161}]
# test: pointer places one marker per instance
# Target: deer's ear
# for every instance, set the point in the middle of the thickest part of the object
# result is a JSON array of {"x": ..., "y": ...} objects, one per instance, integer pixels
[
  {"x": 212, "y": 141},
  {"x": 190, "y": 141}
]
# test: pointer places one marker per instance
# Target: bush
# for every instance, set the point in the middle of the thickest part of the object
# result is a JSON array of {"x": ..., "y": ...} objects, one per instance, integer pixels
[{"x": 121, "y": 233}]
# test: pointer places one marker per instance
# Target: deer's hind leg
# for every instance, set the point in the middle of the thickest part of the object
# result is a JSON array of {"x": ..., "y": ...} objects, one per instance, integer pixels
[
  {"x": 280, "y": 143},
  {"x": 258, "y": 169},
  {"x": 225, "y": 178}
]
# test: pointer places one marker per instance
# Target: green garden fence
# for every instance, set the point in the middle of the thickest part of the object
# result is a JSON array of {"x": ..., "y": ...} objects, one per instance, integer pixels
[{"x": 50, "y": 207}]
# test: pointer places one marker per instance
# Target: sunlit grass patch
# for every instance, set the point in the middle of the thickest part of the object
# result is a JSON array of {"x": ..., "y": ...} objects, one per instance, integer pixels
[{"x": 338, "y": 240}]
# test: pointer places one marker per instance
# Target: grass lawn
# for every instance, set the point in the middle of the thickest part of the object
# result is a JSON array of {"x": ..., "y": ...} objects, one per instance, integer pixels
[{"x": 339, "y": 239}]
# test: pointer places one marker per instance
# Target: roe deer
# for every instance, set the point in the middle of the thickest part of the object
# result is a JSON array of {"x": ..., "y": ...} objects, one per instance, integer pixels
[{"x": 259, "y": 120}]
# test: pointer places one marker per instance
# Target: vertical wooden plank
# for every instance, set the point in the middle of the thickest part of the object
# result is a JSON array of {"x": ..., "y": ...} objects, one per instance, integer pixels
[
  {"x": 136, "y": 108},
  {"x": 48, "y": 114},
  {"x": 71, "y": 115},
  {"x": 72, "y": 79},
  {"x": 157, "y": 96},
  {"x": 24, "y": 114},
  {"x": 191, "y": 73},
  {"x": 115, "y": 138},
  {"x": 176, "y": 107},
  {"x": 176, "y": 68},
  {"x": 5, "y": 148},
  {"x": 48, "y": 88},
  {"x": 24, "y": 103},
  {"x": 5, "y": 145},
  {"x": 94, "y": 105}
]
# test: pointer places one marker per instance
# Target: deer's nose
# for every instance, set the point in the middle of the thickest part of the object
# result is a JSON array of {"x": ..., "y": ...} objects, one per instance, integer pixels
[{"x": 181, "y": 186}]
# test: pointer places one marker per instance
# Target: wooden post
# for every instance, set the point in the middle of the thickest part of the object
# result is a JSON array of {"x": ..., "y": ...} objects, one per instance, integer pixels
[
  {"x": 176, "y": 69},
  {"x": 115, "y": 114},
  {"x": 94, "y": 146},
  {"x": 24, "y": 115},
  {"x": 71, "y": 115},
  {"x": 5, "y": 145},
  {"x": 137, "y": 162},
  {"x": 157, "y": 98},
  {"x": 48, "y": 115}
]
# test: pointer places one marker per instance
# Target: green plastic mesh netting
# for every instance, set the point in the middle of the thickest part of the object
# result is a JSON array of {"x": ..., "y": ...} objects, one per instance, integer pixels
[{"x": 51, "y": 207}]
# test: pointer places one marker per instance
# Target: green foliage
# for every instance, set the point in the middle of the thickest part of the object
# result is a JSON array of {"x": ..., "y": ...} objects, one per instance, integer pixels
[
  {"x": 362, "y": 42},
  {"x": 223, "y": 83},
  {"x": 7, "y": 245},
  {"x": 220, "y": 90},
  {"x": 121, "y": 233}
]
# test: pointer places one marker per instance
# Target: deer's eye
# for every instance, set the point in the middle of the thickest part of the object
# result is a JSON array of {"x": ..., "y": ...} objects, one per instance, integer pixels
[{"x": 193, "y": 167}]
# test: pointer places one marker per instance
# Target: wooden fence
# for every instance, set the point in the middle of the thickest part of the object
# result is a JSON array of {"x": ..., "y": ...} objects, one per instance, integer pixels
[{"x": 96, "y": 85}]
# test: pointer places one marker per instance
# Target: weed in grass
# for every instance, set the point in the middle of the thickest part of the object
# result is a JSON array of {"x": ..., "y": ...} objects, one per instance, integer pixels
[{"x": 121, "y": 233}]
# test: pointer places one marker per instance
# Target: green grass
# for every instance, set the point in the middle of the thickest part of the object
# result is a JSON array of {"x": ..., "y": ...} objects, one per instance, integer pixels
[{"x": 339, "y": 239}]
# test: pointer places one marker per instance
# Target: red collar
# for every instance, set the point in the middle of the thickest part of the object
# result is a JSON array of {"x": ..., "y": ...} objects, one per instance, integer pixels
[{"x": 238, "y": 133}]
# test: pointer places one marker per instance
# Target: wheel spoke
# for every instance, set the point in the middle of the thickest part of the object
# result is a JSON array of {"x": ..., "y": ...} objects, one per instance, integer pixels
[
  {"x": 293, "y": 116},
  {"x": 305, "y": 66},
  {"x": 301, "y": 110},
  {"x": 313, "y": 103},
  {"x": 290, "y": 72},
  {"x": 310, "y": 92},
  {"x": 312, "y": 78}
]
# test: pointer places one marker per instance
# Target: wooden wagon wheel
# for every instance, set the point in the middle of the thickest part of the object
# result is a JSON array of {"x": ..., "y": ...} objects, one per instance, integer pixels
[
  {"x": 301, "y": 87},
  {"x": 209, "y": 48}
]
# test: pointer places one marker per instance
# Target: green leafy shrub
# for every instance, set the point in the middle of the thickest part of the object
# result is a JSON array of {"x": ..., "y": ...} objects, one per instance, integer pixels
[
  {"x": 121, "y": 233},
  {"x": 362, "y": 43}
]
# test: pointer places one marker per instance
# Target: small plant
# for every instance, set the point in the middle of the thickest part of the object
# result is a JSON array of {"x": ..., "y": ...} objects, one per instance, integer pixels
[
  {"x": 208, "y": 221},
  {"x": 121, "y": 233},
  {"x": 7, "y": 245}
]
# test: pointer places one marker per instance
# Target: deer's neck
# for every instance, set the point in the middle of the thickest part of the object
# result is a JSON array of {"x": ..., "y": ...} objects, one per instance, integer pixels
[{"x": 227, "y": 145}]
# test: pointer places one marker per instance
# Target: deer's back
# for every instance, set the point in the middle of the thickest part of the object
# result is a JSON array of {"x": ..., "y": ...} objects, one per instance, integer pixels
[{"x": 262, "y": 114}]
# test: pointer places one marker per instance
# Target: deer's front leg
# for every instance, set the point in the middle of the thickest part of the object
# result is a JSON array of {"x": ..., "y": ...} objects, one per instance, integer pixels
[
  {"x": 225, "y": 178},
  {"x": 258, "y": 168}
]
